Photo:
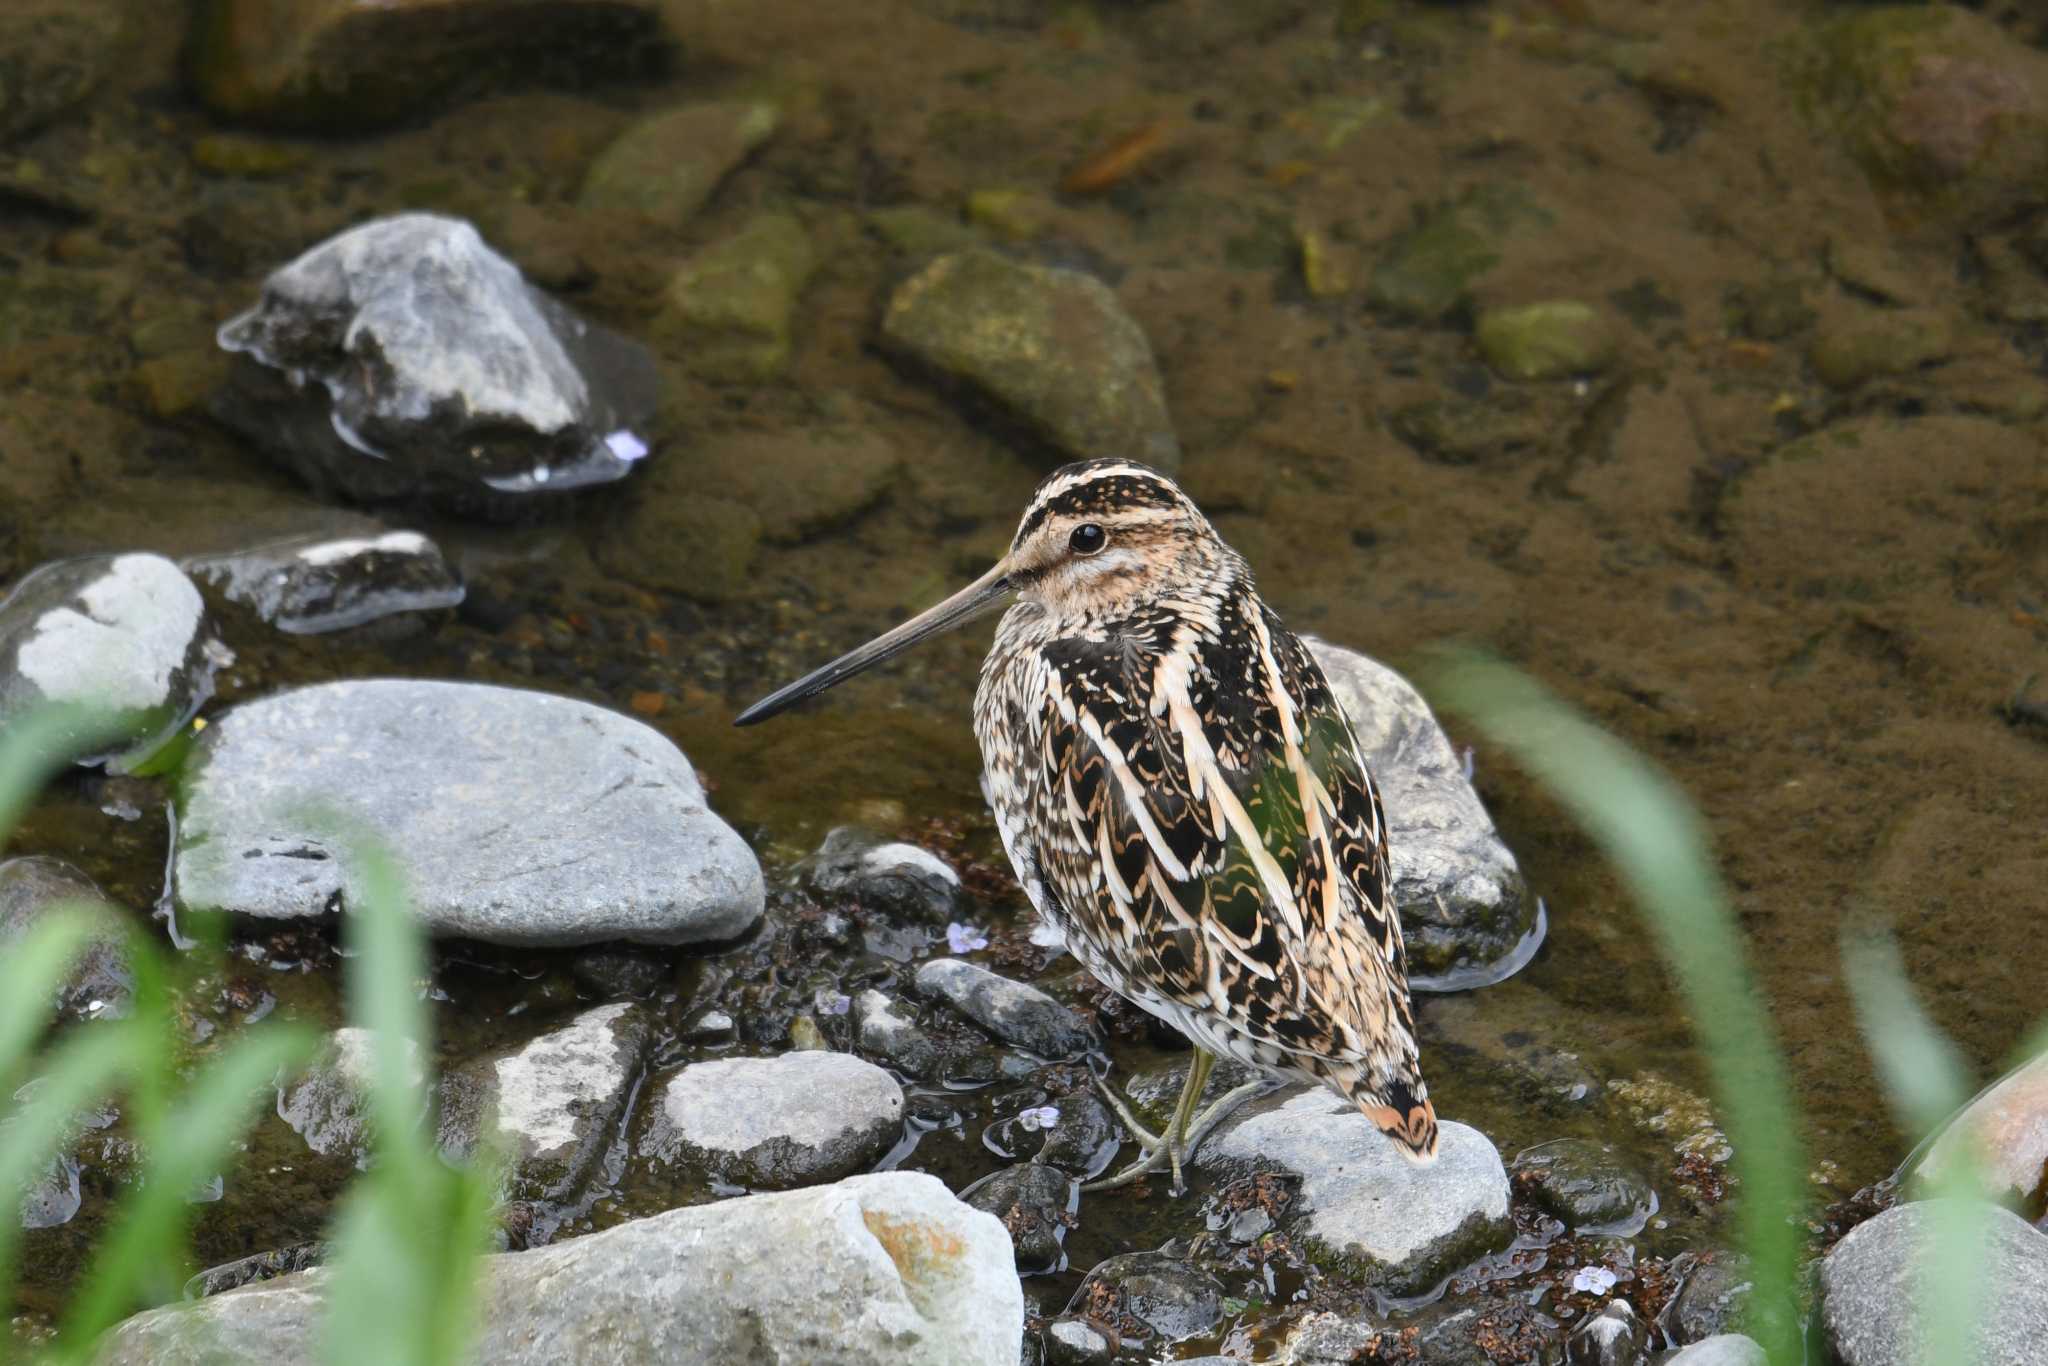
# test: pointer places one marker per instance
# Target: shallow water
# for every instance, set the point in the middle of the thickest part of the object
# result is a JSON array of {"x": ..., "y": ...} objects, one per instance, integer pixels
[{"x": 1819, "y": 642}]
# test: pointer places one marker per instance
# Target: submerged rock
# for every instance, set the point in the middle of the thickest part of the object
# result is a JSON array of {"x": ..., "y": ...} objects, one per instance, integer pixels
[
  {"x": 881, "y": 1270},
  {"x": 1612, "y": 1337},
  {"x": 359, "y": 65},
  {"x": 1402, "y": 1227},
  {"x": 728, "y": 311},
  {"x": 1171, "y": 1298},
  {"x": 1051, "y": 347},
  {"x": 406, "y": 358},
  {"x": 53, "y": 53},
  {"x": 1714, "y": 1294},
  {"x": 1035, "y": 1204},
  {"x": 1867, "y": 343},
  {"x": 552, "y": 1106},
  {"x": 1012, "y": 1011},
  {"x": 327, "y": 1105},
  {"x": 775, "y": 1123},
  {"x": 100, "y": 985},
  {"x": 1874, "y": 1287},
  {"x": 1586, "y": 1184},
  {"x": 2003, "y": 1132},
  {"x": 1466, "y": 912},
  {"x": 519, "y": 818},
  {"x": 310, "y": 584},
  {"x": 664, "y": 167},
  {"x": 1429, "y": 270},
  {"x": 882, "y": 1028},
  {"x": 1552, "y": 340},
  {"x": 125, "y": 636},
  {"x": 884, "y": 875}
]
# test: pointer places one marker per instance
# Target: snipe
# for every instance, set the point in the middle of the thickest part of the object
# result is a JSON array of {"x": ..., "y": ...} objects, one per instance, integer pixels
[{"x": 1183, "y": 799}]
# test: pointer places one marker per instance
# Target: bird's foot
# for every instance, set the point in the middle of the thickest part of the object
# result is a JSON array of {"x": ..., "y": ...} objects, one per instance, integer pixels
[{"x": 1171, "y": 1150}]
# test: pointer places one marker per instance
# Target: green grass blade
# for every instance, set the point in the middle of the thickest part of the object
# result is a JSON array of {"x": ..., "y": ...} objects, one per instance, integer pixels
[
  {"x": 33, "y": 745},
  {"x": 1655, "y": 839},
  {"x": 31, "y": 973}
]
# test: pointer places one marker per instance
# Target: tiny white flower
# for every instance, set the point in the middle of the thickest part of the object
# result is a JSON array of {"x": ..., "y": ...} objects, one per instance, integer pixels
[
  {"x": 965, "y": 938},
  {"x": 1039, "y": 1117},
  {"x": 1594, "y": 1280}
]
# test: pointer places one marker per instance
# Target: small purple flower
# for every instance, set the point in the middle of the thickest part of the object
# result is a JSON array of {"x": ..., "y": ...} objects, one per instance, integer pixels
[
  {"x": 965, "y": 938},
  {"x": 1039, "y": 1117},
  {"x": 833, "y": 1003},
  {"x": 1470, "y": 767}
]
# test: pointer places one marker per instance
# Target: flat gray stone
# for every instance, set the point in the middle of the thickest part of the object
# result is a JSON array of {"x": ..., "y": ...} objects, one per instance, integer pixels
[
  {"x": 327, "y": 1105},
  {"x": 1402, "y": 1227},
  {"x": 883, "y": 1029},
  {"x": 305, "y": 585},
  {"x": 518, "y": 818},
  {"x": 552, "y": 1106},
  {"x": 1875, "y": 1281},
  {"x": 774, "y": 1123},
  {"x": 1466, "y": 912},
  {"x": 123, "y": 635},
  {"x": 883, "y": 874},
  {"x": 100, "y": 985},
  {"x": 881, "y": 1270},
  {"x": 1012, "y": 1011},
  {"x": 1722, "y": 1349}
]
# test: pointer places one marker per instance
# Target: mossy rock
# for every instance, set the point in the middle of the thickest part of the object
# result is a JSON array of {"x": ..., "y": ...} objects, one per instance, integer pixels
[
  {"x": 729, "y": 309},
  {"x": 1551, "y": 340},
  {"x": 1428, "y": 272},
  {"x": 664, "y": 168},
  {"x": 1870, "y": 342}
]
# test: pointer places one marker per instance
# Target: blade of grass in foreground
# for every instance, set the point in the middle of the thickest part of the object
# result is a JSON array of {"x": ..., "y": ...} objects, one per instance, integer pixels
[
  {"x": 1926, "y": 1082},
  {"x": 1647, "y": 827},
  {"x": 404, "y": 1287}
]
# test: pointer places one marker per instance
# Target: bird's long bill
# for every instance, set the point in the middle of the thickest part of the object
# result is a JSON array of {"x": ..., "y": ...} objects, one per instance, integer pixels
[{"x": 970, "y": 602}]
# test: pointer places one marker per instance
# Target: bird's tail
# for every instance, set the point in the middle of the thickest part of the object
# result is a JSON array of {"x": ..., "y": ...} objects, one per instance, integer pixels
[{"x": 1404, "y": 1116}]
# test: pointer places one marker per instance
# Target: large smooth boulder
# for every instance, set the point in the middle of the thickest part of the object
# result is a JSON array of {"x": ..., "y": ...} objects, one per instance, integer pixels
[{"x": 1876, "y": 1284}]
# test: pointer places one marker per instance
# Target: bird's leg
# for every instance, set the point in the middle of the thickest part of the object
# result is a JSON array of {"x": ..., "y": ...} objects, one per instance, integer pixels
[{"x": 1172, "y": 1147}]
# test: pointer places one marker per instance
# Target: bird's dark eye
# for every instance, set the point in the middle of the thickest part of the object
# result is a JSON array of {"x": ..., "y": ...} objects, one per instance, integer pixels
[{"x": 1087, "y": 539}]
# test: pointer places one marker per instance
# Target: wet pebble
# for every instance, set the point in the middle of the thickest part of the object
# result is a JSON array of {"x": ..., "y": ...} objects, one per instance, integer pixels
[
  {"x": 327, "y": 1105},
  {"x": 621, "y": 973},
  {"x": 1612, "y": 1337},
  {"x": 312, "y": 584},
  {"x": 100, "y": 984},
  {"x": 882, "y": 1270},
  {"x": 1165, "y": 1296},
  {"x": 1556, "y": 339},
  {"x": 1052, "y": 347},
  {"x": 520, "y": 818},
  {"x": 1588, "y": 1185},
  {"x": 1035, "y": 1204},
  {"x": 798, "y": 1119},
  {"x": 256, "y": 1267},
  {"x": 1402, "y": 1227},
  {"x": 406, "y": 358},
  {"x": 1874, "y": 1286},
  {"x": 1072, "y": 1340},
  {"x": 1722, "y": 1349},
  {"x": 729, "y": 311},
  {"x": 1466, "y": 911},
  {"x": 1712, "y": 1297},
  {"x": 884, "y": 1029},
  {"x": 1014, "y": 1012},
  {"x": 663, "y": 168},
  {"x": 886, "y": 875},
  {"x": 1082, "y": 1139},
  {"x": 124, "y": 635},
  {"x": 552, "y": 1105}
]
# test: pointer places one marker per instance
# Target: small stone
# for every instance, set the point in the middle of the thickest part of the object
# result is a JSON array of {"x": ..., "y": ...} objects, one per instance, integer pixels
[
  {"x": 100, "y": 985},
  {"x": 1466, "y": 911},
  {"x": 1400, "y": 1227},
  {"x": 1172, "y": 1298},
  {"x": 774, "y": 1123},
  {"x": 1722, "y": 1349},
  {"x": 1612, "y": 1337},
  {"x": 2002, "y": 1134},
  {"x": 404, "y": 357},
  {"x": 354, "y": 67},
  {"x": 1071, "y": 1340},
  {"x": 1084, "y": 1140},
  {"x": 713, "y": 1026},
  {"x": 665, "y": 167},
  {"x": 806, "y": 1037},
  {"x": 1012, "y": 215},
  {"x": 1553, "y": 340},
  {"x": 1713, "y": 1296},
  {"x": 1012, "y": 1011},
  {"x": 918, "y": 231},
  {"x": 1051, "y": 347},
  {"x": 1034, "y": 1203},
  {"x": 702, "y": 547},
  {"x": 519, "y": 818},
  {"x": 1875, "y": 1283},
  {"x": 1326, "y": 1339},
  {"x": 1465, "y": 431},
  {"x": 728, "y": 310},
  {"x": 123, "y": 636},
  {"x": 1866, "y": 343},
  {"x": 882, "y": 1029},
  {"x": 621, "y": 973},
  {"x": 882, "y": 1270},
  {"x": 1588, "y": 1185},
  {"x": 327, "y": 1105},
  {"x": 884, "y": 875},
  {"x": 552, "y": 1106},
  {"x": 1429, "y": 271},
  {"x": 312, "y": 584}
]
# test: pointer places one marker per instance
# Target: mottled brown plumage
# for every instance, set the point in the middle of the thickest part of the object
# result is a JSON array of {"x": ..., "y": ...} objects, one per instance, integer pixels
[{"x": 1183, "y": 798}]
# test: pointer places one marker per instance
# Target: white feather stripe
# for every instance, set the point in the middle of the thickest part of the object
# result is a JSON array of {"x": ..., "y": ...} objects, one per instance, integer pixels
[{"x": 1134, "y": 797}]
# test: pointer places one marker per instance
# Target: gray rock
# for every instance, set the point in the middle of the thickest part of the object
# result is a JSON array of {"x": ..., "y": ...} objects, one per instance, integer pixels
[
  {"x": 1465, "y": 910},
  {"x": 1713, "y": 1296},
  {"x": 257, "y": 1267},
  {"x": 663, "y": 168},
  {"x": 1084, "y": 1138},
  {"x": 1402, "y": 1227},
  {"x": 1172, "y": 1298},
  {"x": 310, "y": 584},
  {"x": 1013, "y": 1012},
  {"x": 2003, "y": 1132},
  {"x": 551, "y": 1107},
  {"x": 1324, "y": 1339},
  {"x": 1071, "y": 1340},
  {"x": 326, "y": 1105},
  {"x": 1722, "y": 1349},
  {"x": 881, "y": 1270},
  {"x": 123, "y": 635},
  {"x": 1051, "y": 347},
  {"x": 1612, "y": 1337},
  {"x": 404, "y": 357},
  {"x": 881, "y": 1028},
  {"x": 100, "y": 985},
  {"x": 774, "y": 1123},
  {"x": 1035, "y": 1204},
  {"x": 519, "y": 818},
  {"x": 1875, "y": 1283},
  {"x": 883, "y": 874},
  {"x": 1588, "y": 1185},
  {"x": 622, "y": 973}
]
